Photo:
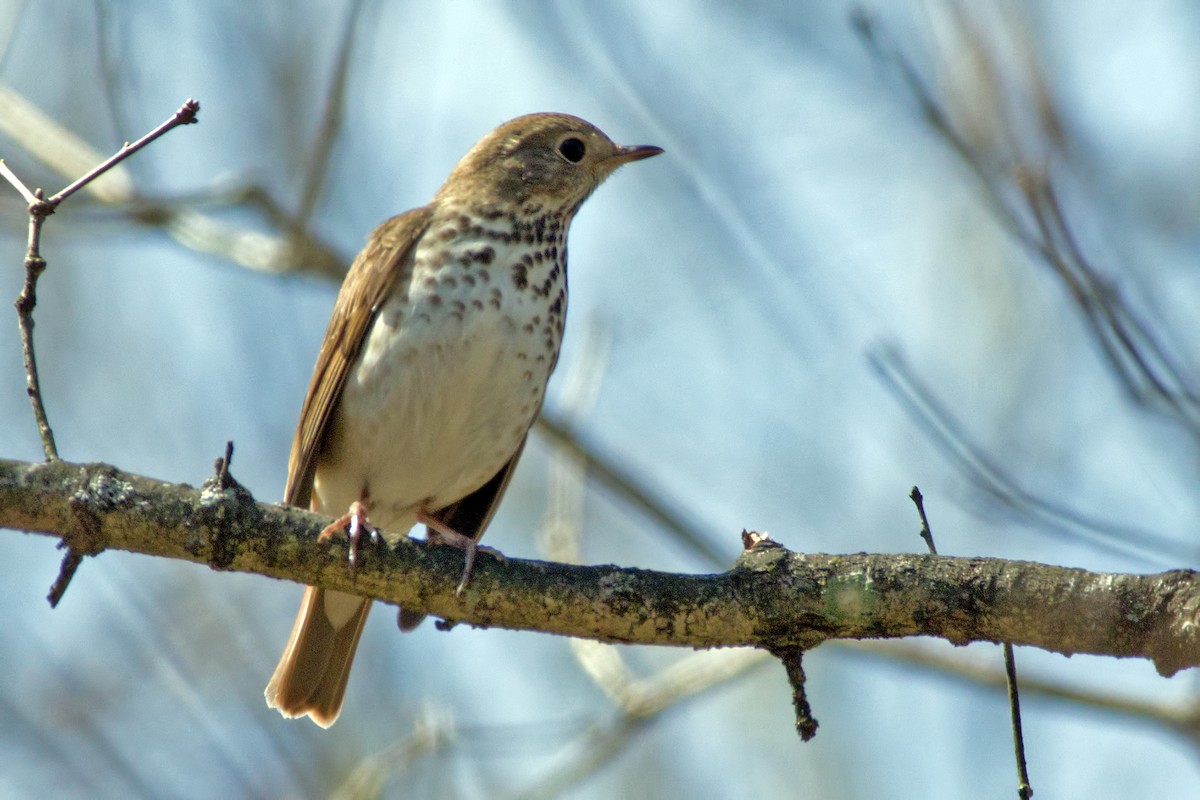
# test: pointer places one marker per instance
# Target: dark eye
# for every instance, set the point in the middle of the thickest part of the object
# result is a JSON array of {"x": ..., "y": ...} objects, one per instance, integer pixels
[{"x": 572, "y": 149}]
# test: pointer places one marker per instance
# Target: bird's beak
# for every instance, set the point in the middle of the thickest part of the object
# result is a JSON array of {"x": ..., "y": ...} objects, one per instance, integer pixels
[{"x": 624, "y": 155}]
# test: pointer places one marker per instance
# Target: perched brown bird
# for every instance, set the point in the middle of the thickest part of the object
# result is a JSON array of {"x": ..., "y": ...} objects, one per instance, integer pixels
[{"x": 433, "y": 368}]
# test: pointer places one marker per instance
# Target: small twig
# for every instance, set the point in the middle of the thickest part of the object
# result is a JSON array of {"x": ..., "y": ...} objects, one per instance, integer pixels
[
  {"x": 926, "y": 534},
  {"x": 70, "y": 563},
  {"x": 35, "y": 265},
  {"x": 11, "y": 177},
  {"x": 186, "y": 115},
  {"x": 1024, "y": 790},
  {"x": 221, "y": 467},
  {"x": 39, "y": 208},
  {"x": 792, "y": 658}
]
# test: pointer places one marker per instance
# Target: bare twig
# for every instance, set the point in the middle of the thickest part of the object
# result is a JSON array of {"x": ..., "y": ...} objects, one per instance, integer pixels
[
  {"x": 12, "y": 178},
  {"x": 1024, "y": 790},
  {"x": 186, "y": 115},
  {"x": 66, "y": 572},
  {"x": 926, "y": 534},
  {"x": 294, "y": 250},
  {"x": 26, "y": 301},
  {"x": 793, "y": 662},
  {"x": 35, "y": 265}
]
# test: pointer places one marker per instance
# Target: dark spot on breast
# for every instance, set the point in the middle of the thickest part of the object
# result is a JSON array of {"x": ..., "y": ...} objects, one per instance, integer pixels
[
  {"x": 435, "y": 300},
  {"x": 484, "y": 256},
  {"x": 463, "y": 222},
  {"x": 537, "y": 257},
  {"x": 477, "y": 305},
  {"x": 484, "y": 277},
  {"x": 520, "y": 276},
  {"x": 447, "y": 234},
  {"x": 527, "y": 328},
  {"x": 450, "y": 281},
  {"x": 468, "y": 279},
  {"x": 556, "y": 308},
  {"x": 537, "y": 319}
]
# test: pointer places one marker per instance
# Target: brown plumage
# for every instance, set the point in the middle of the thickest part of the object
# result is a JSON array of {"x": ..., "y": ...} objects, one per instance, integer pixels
[{"x": 433, "y": 368}]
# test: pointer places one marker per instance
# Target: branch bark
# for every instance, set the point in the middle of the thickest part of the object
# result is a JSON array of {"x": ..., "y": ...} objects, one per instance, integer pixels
[{"x": 771, "y": 598}]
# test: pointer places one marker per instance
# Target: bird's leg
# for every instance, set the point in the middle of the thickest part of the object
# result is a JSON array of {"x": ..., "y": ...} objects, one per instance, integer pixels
[
  {"x": 353, "y": 524},
  {"x": 442, "y": 533}
]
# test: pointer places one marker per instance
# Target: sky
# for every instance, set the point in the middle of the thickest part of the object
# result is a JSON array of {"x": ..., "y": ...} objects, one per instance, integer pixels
[{"x": 810, "y": 303}]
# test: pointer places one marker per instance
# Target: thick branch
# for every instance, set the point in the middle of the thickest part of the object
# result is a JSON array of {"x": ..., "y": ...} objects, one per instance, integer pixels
[{"x": 771, "y": 598}]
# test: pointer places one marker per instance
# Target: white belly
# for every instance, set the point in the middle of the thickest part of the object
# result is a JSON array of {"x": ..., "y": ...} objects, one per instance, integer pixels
[{"x": 452, "y": 375}]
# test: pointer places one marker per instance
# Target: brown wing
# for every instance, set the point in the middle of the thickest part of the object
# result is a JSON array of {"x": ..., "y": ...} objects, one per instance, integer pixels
[
  {"x": 384, "y": 262},
  {"x": 471, "y": 515}
]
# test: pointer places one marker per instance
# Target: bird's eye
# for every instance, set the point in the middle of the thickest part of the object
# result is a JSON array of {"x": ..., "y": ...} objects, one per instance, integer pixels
[{"x": 572, "y": 149}]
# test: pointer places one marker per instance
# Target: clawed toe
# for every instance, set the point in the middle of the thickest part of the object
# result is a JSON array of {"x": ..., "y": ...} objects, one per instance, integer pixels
[
  {"x": 353, "y": 524},
  {"x": 441, "y": 533}
]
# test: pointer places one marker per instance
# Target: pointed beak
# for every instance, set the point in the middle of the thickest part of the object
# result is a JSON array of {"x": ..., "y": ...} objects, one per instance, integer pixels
[{"x": 624, "y": 155}]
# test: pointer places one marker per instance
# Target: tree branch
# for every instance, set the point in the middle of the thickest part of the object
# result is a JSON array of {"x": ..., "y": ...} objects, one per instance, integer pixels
[{"x": 771, "y": 598}]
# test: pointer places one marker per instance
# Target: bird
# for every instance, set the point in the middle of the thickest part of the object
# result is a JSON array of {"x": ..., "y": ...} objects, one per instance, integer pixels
[{"x": 433, "y": 369}]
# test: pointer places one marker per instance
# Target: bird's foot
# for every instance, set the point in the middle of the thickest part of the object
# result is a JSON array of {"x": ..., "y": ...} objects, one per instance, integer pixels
[
  {"x": 354, "y": 524},
  {"x": 441, "y": 533}
]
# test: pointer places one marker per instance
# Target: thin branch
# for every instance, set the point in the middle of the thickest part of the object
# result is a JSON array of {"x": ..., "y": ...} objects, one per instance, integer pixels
[
  {"x": 296, "y": 250},
  {"x": 26, "y": 301},
  {"x": 11, "y": 177},
  {"x": 1024, "y": 790},
  {"x": 35, "y": 265},
  {"x": 186, "y": 115},
  {"x": 926, "y": 534},
  {"x": 793, "y": 663}
]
